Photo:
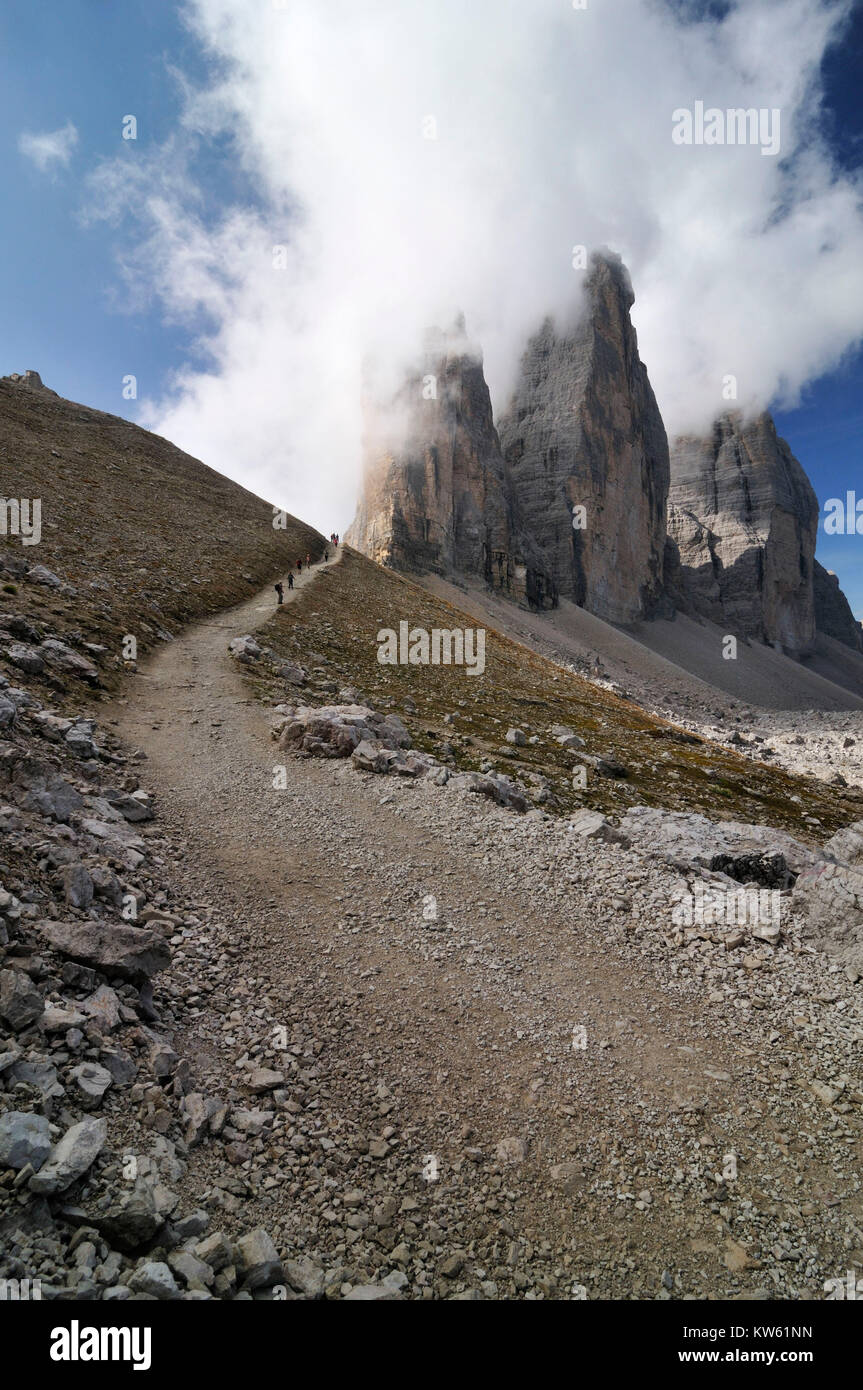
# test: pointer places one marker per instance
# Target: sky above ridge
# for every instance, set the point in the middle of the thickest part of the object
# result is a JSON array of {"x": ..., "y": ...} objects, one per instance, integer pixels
[{"x": 310, "y": 184}]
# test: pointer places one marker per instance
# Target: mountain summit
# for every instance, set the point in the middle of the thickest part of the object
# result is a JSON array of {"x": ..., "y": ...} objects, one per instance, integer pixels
[
  {"x": 435, "y": 493},
  {"x": 583, "y": 430}
]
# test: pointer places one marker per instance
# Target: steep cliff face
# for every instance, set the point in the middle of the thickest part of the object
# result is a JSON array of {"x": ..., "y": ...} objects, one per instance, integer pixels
[
  {"x": 435, "y": 494},
  {"x": 833, "y": 615},
  {"x": 742, "y": 524},
  {"x": 583, "y": 431}
]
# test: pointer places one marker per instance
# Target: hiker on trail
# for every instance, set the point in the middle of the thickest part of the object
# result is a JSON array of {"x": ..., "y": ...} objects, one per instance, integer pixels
[
  {"x": 279, "y": 588},
  {"x": 308, "y": 561},
  {"x": 299, "y": 567},
  {"x": 291, "y": 579},
  {"x": 326, "y": 555}
]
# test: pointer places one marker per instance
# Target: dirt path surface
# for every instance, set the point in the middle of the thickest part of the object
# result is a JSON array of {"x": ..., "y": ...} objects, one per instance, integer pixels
[{"x": 507, "y": 1092}]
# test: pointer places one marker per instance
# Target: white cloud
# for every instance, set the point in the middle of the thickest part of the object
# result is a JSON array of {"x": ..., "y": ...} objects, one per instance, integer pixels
[
  {"x": 553, "y": 129},
  {"x": 52, "y": 148}
]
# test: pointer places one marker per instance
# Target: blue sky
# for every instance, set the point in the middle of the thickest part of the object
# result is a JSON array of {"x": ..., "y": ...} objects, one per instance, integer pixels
[
  {"x": 64, "y": 309},
  {"x": 68, "y": 311}
]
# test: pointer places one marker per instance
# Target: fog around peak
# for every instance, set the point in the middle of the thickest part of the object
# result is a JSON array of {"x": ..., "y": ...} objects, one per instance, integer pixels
[{"x": 409, "y": 162}]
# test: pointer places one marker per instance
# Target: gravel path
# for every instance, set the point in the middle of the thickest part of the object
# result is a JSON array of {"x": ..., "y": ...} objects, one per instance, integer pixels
[{"x": 532, "y": 1093}]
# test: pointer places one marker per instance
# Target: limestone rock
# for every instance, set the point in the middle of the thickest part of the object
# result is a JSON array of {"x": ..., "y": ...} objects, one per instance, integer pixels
[
  {"x": 40, "y": 574},
  {"x": 306, "y": 1276},
  {"x": 91, "y": 1082},
  {"x": 435, "y": 493},
  {"x": 847, "y": 844},
  {"x": 103, "y": 1006},
  {"x": 492, "y": 785},
  {"x": 20, "y": 1001},
  {"x": 71, "y": 1157},
  {"x": 28, "y": 378},
  {"x": 24, "y": 1139},
  {"x": 833, "y": 615},
  {"x": 27, "y": 659},
  {"x": 134, "y": 1218},
  {"x": 583, "y": 430},
  {"x": 511, "y": 1150},
  {"x": 129, "y": 952},
  {"x": 593, "y": 825},
  {"x": 63, "y": 658},
  {"x": 77, "y": 886},
  {"x": 686, "y": 838},
  {"x": 245, "y": 649},
  {"x": 830, "y": 898},
  {"x": 258, "y": 1263},
  {"x": 153, "y": 1277},
  {"x": 334, "y": 731},
  {"x": 742, "y": 524},
  {"x": 35, "y": 786}
]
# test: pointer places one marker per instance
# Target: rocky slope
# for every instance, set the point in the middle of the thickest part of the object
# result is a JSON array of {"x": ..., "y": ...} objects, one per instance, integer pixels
[
  {"x": 583, "y": 430},
  {"x": 139, "y": 536},
  {"x": 742, "y": 525},
  {"x": 833, "y": 615},
  {"x": 611, "y": 1130},
  {"x": 568, "y": 498},
  {"x": 98, "y": 1111},
  {"x": 434, "y": 495},
  {"x": 183, "y": 1118}
]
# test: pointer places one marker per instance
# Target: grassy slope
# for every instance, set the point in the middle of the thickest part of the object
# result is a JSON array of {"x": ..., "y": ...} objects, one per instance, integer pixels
[
  {"x": 173, "y": 539},
  {"x": 339, "y": 617}
]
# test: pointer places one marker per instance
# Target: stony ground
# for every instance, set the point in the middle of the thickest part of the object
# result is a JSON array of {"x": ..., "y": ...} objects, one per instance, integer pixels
[
  {"x": 410, "y": 1043},
  {"x": 441, "y": 1124}
]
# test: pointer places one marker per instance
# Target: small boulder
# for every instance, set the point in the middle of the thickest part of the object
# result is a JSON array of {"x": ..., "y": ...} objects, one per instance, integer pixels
[
  {"x": 21, "y": 1004},
  {"x": 245, "y": 649},
  {"x": 78, "y": 1149},
  {"x": 24, "y": 1138},
  {"x": 154, "y": 1278},
  {"x": 511, "y": 1150}
]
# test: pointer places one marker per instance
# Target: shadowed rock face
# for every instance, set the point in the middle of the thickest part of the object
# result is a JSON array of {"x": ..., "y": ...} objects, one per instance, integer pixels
[
  {"x": 742, "y": 525},
  {"x": 833, "y": 615},
  {"x": 583, "y": 429},
  {"x": 435, "y": 496}
]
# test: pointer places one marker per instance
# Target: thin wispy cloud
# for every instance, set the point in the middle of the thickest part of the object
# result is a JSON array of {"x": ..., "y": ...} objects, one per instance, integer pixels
[
  {"x": 51, "y": 149},
  {"x": 412, "y": 160}
]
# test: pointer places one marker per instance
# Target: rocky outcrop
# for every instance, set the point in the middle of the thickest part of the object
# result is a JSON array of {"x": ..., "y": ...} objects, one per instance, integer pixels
[
  {"x": 742, "y": 524},
  {"x": 583, "y": 430},
  {"x": 335, "y": 731},
  {"x": 28, "y": 378},
  {"x": 833, "y": 615},
  {"x": 830, "y": 898},
  {"x": 435, "y": 496},
  {"x": 742, "y": 851}
]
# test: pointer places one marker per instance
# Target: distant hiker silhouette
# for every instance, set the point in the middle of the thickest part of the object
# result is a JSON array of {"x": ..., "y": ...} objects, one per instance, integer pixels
[
  {"x": 279, "y": 588},
  {"x": 299, "y": 567},
  {"x": 308, "y": 561},
  {"x": 290, "y": 582}
]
